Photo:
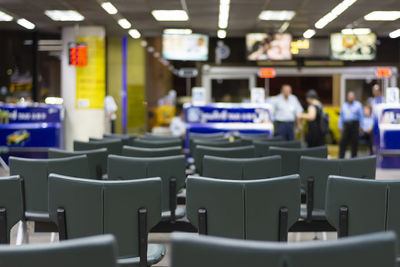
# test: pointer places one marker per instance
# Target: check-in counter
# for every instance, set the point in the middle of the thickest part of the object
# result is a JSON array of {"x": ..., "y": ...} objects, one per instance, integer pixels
[
  {"x": 387, "y": 135},
  {"x": 232, "y": 118},
  {"x": 29, "y": 130}
]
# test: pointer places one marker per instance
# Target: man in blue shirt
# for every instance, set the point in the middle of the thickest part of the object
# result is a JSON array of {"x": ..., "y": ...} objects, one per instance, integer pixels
[
  {"x": 351, "y": 115},
  {"x": 367, "y": 126},
  {"x": 286, "y": 108},
  {"x": 377, "y": 96}
]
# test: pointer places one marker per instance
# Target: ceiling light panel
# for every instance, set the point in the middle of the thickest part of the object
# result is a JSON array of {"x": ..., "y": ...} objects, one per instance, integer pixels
[
  {"x": 277, "y": 15},
  {"x": 395, "y": 34},
  {"x": 134, "y": 33},
  {"x": 178, "y": 31},
  {"x": 109, "y": 8},
  {"x": 124, "y": 23},
  {"x": 5, "y": 17},
  {"x": 170, "y": 15},
  {"x": 223, "y": 19},
  {"x": 309, "y": 33},
  {"x": 334, "y": 13},
  {"x": 26, "y": 24},
  {"x": 221, "y": 34},
  {"x": 64, "y": 15},
  {"x": 382, "y": 16}
]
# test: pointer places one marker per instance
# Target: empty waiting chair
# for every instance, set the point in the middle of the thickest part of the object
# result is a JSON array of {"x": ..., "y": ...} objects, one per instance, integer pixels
[
  {"x": 262, "y": 146},
  {"x": 226, "y": 152},
  {"x": 11, "y": 206},
  {"x": 150, "y": 137},
  {"x": 214, "y": 143},
  {"x": 143, "y": 152},
  {"x": 242, "y": 168},
  {"x": 35, "y": 174},
  {"x": 217, "y": 135},
  {"x": 97, "y": 159},
  {"x": 359, "y": 206},
  {"x": 291, "y": 156},
  {"x": 170, "y": 169},
  {"x": 114, "y": 146},
  {"x": 367, "y": 251},
  {"x": 126, "y": 209},
  {"x": 99, "y": 251},
  {"x": 314, "y": 173},
  {"x": 127, "y": 139},
  {"x": 157, "y": 143},
  {"x": 258, "y": 209}
]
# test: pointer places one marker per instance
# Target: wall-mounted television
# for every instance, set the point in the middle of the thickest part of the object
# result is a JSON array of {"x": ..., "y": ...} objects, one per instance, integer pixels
[
  {"x": 191, "y": 47},
  {"x": 263, "y": 46},
  {"x": 353, "y": 47}
]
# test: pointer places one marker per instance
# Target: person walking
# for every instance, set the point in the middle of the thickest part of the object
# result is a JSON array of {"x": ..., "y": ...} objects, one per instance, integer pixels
[
  {"x": 315, "y": 136},
  {"x": 286, "y": 108},
  {"x": 351, "y": 115}
]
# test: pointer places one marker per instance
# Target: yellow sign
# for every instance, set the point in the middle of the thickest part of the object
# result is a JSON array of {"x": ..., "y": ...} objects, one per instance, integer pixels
[
  {"x": 90, "y": 79},
  {"x": 299, "y": 44}
]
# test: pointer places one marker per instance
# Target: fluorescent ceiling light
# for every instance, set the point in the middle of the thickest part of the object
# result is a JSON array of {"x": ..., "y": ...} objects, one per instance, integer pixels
[
  {"x": 178, "y": 31},
  {"x": 170, "y": 15},
  {"x": 124, "y": 23},
  {"x": 5, "y": 17},
  {"x": 26, "y": 24},
  {"x": 382, "y": 16},
  {"x": 357, "y": 31},
  {"x": 221, "y": 34},
  {"x": 109, "y": 8},
  {"x": 223, "y": 19},
  {"x": 334, "y": 13},
  {"x": 135, "y": 34},
  {"x": 309, "y": 33},
  {"x": 395, "y": 34},
  {"x": 276, "y": 15},
  {"x": 284, "y": 27},
  {"x": 64, "y": 15}
]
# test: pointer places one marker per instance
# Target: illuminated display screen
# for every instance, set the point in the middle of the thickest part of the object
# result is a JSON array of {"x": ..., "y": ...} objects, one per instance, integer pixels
[{"x": 78, "y": 54}]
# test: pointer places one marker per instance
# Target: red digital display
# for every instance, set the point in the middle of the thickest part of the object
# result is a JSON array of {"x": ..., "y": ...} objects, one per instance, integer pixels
[
  {"x": 383, "y": 72},
  {"x": 267, "y": 73},
  {"x": 78, "y": 54}
]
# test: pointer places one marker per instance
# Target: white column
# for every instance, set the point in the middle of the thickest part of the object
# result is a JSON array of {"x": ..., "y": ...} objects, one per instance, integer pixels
[{"x": 80, "y": 124}]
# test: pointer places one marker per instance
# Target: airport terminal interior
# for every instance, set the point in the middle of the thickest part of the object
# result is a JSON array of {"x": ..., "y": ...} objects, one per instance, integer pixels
[{"x": 199, "y": 133}]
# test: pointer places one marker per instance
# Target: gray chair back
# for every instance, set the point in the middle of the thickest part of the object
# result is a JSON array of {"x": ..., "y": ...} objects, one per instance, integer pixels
[
  {"x": 207, "y": 135},
  {"x": 314, "y": 173},
  {"x": 242, "y": 168},
  {"x": 154, "y": 137},
  {"x": 143, "y": 152},
  {"x": 242, "y": 209},
  {"x": 226, "y": 152},
  {"x": 100, "y": 207},
  {"x": 291, "y": 156},
  {"x": 262, "y": 146},
  {"x": 367, "y": 251},
  {"x": 359, "y": 206},
  {"x": 209, "y": 141},
  {"x": 35, "y": 174},
  {"x": 97, "y": 159},
  {"x": 11, "y": 205},
  {"x": 171, "y": 170},
  {"x": 114, "y": 146},
  {"x": 127, "y": 139},
  {"x": 99, "y": 251},
  {"x": 157, "y": 143}
]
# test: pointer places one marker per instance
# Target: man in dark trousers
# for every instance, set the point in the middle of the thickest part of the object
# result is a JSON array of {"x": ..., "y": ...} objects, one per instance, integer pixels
[{"x": 351, "y": 114}]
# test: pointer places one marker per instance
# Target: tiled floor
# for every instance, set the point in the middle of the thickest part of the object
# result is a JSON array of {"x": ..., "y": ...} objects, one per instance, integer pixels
[{"x": 161, "y": 238}]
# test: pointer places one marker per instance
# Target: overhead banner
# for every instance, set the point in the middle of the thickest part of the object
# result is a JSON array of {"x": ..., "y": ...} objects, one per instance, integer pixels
[{"x": 90, "y": 79}]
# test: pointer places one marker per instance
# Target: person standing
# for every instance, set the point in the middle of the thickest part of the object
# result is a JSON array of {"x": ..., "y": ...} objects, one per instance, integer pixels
[
  {"x": 351, "y": 115},
  {"x": 286, "y": 108},
  {"x": 315, "y": 136},
  {"x": 110, "y": 109},
  {"x": 377, "y": 96},
  {"x": 367, "y": 126}
]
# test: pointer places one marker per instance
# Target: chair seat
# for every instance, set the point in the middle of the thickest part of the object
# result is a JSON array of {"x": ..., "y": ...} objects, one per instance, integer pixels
[
  {"x": 155, "y": 253},
  {"x": 37, "y": 216},
  {"x": 179, "y": 213},
  {"x": 317, "y": 215}
]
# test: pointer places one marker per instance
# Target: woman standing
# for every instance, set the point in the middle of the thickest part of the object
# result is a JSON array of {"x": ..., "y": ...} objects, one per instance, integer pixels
[{"x": 315, "y": 136}]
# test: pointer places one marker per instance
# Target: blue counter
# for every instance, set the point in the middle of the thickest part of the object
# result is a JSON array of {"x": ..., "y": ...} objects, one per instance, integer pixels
[
  {"x": 229, "y": 117},
  {"x": 387, "y": 135},
  {"x": 28, "y": 131}
]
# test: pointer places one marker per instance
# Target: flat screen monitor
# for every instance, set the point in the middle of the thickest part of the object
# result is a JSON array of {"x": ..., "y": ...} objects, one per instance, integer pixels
[
  {"x": 193, "y": 47},
  {"x": 353, "y": 47},
  {"x": 263, "y": 46}
]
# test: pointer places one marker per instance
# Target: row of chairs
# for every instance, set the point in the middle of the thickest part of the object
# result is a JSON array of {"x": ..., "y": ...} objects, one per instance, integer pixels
[{"x": 101, "y": 251}]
